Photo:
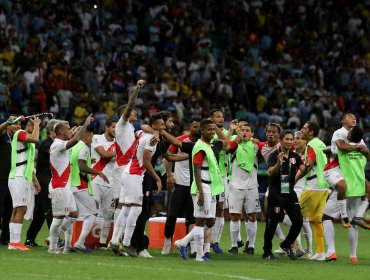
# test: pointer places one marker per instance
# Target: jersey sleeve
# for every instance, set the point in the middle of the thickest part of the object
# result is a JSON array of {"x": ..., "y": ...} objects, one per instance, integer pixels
[
  {"x": 198, "y": 158},
  {"x": 22, "y": 136},
  {"x": 84, "y": 153},
  {"x": 95, "y": 142},
  {"x": 260, "y": 145},
  {"x": 172, "y": 149},
  {"x": 232, "y": 146},
  {"x": 311, "y": 154},
  {"x": 147, "y": 145}
]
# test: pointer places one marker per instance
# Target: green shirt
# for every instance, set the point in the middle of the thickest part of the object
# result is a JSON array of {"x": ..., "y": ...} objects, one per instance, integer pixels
[
  {"x": 317, "y": 145},
  {"x": 217, "y": 185},
  {"x": 352, "y": 165}
]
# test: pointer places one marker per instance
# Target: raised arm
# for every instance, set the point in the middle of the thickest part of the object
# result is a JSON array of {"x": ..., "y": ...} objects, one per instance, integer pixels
[
  {"x": 132, "y": 100},
  {"x": 34, "y": 136},
  {"x": 80, "y": 133}
]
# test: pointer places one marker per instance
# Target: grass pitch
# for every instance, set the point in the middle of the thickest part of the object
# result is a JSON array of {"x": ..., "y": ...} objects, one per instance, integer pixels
[{"x": 38, "y": 264}]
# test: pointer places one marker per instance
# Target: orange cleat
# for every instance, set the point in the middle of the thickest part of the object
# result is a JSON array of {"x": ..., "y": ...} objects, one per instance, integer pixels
[
  {"x": 20, "y": 246},
  {"x": 353, "y": 259}
]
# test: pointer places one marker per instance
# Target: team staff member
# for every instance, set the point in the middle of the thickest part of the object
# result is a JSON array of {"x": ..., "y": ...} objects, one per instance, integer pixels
[
  {"x": 283, "y": 165},
  {"x": 42, "y": 200},
  {"x": 7, "y": 130}
]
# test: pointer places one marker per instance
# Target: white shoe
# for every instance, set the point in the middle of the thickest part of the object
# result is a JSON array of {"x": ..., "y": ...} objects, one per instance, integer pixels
[
  {"x": 280, "y": 252},
  {"x": 79, "y": 246},
  {"x": 54, "y": 251},
  {"x": 319, "y": 257},
  {"x": 308, "y": 254},
  {"x": 178, "y": 243},
  {"x": 166, "y": 248},
  {"x": 145, "y": 254}
]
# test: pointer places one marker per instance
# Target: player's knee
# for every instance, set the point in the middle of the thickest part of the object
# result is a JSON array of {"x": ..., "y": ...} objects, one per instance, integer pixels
[
  {"x": 108, "y": 215},
  {"x": 210, "y": 223},
  {"x": 252, "y": 217}
]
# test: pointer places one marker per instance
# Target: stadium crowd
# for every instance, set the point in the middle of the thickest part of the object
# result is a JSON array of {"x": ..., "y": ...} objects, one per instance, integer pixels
[{"x": 271, "y": 65}]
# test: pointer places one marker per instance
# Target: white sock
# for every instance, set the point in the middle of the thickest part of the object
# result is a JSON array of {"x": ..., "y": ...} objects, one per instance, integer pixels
[
  {"x": 189, "y": 237},
  {"x": 104, "y": 231},
  {"x": 120, "y": 224},
  {"x": 353, "y": 240},
  {"x": 329, "y": 234},
  {"x": 116, "y": 213},
  {"x": 246, "y": 229},
  {"x": 217, "y": 229},
  {"x": 279, "y": 233},
  {"x": 54, "y": 233},
  {"x": 11, "y": 233},
  {"x": 17, "y": 230},
  {"x": 252, "y": 232},
  {"x": 192, "y": 247},
  {"x": 307, "y": 231},
  {"x": 287, "y": 222},
  {"x": 67, "y": 227},
  {"x": 222, "y": 222},
  {"x": 234, "y": 231},
  {"x": 199, "y": 240},
  {"x": 239, "y": 235},
  {"x": 86, "y": 228},
  {"x": 207, "y": 247},
  {"x": 167, "y": 242},
  {"x": 362, "y": 208},
  {"x": 299, "y": 243},
  {"x": 131, "y": 223},
  {"x": 342, "y": 204}
]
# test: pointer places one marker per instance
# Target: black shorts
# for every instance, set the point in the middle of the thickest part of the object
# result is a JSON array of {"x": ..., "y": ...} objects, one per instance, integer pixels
[{"x": 181, "y": 204}]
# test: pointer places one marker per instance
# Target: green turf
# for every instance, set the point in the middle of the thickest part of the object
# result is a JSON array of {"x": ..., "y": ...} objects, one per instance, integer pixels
[{"x": 38, "y": 264}]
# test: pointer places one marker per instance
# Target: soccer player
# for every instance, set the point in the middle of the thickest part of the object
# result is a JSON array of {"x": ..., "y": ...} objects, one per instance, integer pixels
[
  {"x": 62, "y": 202},
  {"x": 42, "y": 200},
  {"x": 313, "y": 198},
  {"x": 81, "y": 171},
  {"x": 179, "y": 183},
  {"x": 217, "y": 117},
  {"x": 22, "y": 180},
  {"x": 243, "y": 185},
  {"x": 103, "y": 150},
  {"x": 126, "y": 143},
  {"x": 333, "y": 173},
  {"x": 282, "y": 165},
  {"x": 138, "y": 238},
  {"x": 207, "y": 184},
  {"x": 132, "y": 193},
  {"x": 352, "y": 165}
]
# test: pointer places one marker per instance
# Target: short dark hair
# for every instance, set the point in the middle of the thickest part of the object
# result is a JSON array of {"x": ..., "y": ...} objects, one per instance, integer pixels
[
  {"x": 245, "y": 123},
  {"x": 165, "y": 115},
  {"x": 195, "y": 119},
  {"x": 109, "y": 122},
  {"x": 313, "y": 126},
  {"x": 120, "y": 110},
  {"x": 205, "y": 122},
  {"x": 345, "y": 115},
  {"x": 356, "y": 134},
  {"x": 273, "y": 125},
  {"x": 286, "y": 132},
  {"x": 155, "y": 117},
  {"x": 214, "y": 111}
]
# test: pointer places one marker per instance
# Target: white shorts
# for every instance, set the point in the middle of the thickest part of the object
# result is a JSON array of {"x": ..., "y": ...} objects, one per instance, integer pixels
[
  {"x": 208, "y": 210},
  {"x": 332, "y": 208},
  {"x": 132, "y": 193},
  {"x": 62, "y": 201},
  {"x": 333, "y": 176},
  {"x": 23, "y": 194},
  {"x": 104, "y": 196},
  {"x": 249, "y": 198},
  {"x": 85, "y": 203},
  {"x": 117, "y": 183}
]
